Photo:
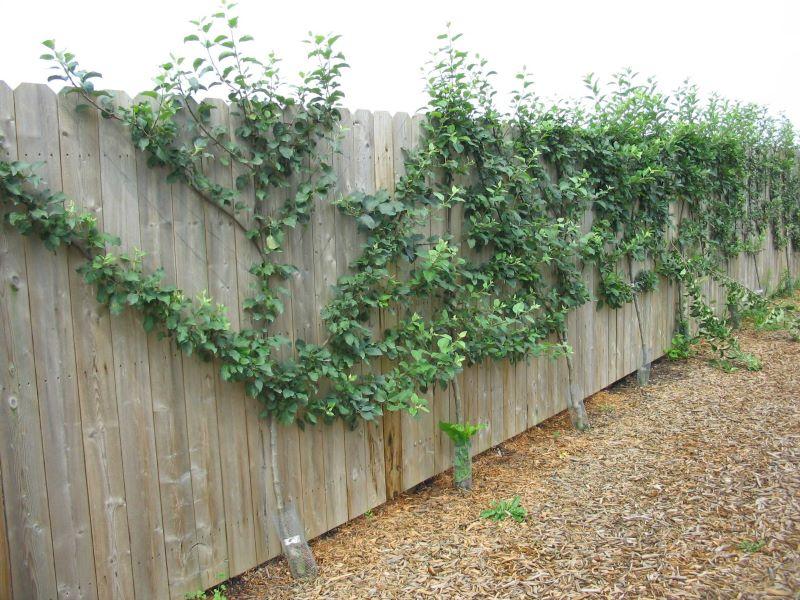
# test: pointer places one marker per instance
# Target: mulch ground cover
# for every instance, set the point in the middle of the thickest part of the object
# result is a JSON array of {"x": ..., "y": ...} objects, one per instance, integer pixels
[{"x": 688, "y": 488}]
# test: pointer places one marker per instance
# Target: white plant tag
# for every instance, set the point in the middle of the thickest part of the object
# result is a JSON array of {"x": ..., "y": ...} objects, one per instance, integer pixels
[{"x": 292, "y": 541}]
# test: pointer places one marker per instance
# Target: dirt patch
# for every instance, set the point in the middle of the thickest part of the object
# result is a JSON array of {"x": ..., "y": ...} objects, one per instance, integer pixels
[{"x": 688, "y": 488}]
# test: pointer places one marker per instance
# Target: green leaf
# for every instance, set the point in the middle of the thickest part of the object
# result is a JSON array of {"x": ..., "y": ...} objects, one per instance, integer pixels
[{"x": 367, "y": 221}]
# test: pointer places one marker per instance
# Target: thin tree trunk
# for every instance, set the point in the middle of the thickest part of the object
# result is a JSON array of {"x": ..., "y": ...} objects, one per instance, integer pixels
[
  {"x": 277, "y": 484},
  {"x": 758, "y": 277},
  {"x": 577, "y": 410},
  {"x": 462, "y": 452},
  {"x": 457, "y": 401},
  {"x": 290, "y": 528},
  {"x": 643, "y": 372}
]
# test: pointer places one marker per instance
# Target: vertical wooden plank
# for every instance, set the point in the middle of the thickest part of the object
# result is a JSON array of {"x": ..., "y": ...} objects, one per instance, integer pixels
[
  {"x": 305, "y": 313},
  {"x": 6, "y": 123},
  {"x": 288, "y": 442},
  {"x": 575, "y": 322},
  {"x": 632, "y": 342},
  {"x": 621, "y": 317},
  {"x": 418, "y": 432},
  {"x": 442, "y": 400},
  {"x": 300, "y": 451},
  {"x": 53, "y": 348},
  {"x": 80, "y": 173},
  {"x": 347, "y": 251},
  {"x": 546, "y": 378},
  {"x": 5, "y": 553},
  {"x": 191, "y": 276},
  {"x": 524, "y": 382},
  {"x": 553, "y": 381},
  {"x": 231, "y": 412},
  {"x": 542, "y": 390},
  {"x": 469, "y": 391},
  {"x": 483, "y": 405},
  {"x": 26, "y": 511},
  {"x": 510, "y": 397},
  {"x": 611, "y": 366},
  {"x": 258, "y": 431},
  {"x": 416, "y": 452},
  {"x": 121, "y": 212},
  {"x": 533, "y": 393},
  {"x": 545, "y": 381},
  {"x": 586, "y": 314},
  {"x": 383, "y": 156},
  {"x": 561, "y": 385},
  {"x": 497, "y": 397},
  {"x": 364, "y": 156},
  {"x": 166, "y": 394},
  {"x": 326, "y": 272},
  {"x": 600, "y": 333}
]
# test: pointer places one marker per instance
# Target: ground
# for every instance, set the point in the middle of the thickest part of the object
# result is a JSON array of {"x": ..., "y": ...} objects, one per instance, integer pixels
[{"x": 688, "y": 488}]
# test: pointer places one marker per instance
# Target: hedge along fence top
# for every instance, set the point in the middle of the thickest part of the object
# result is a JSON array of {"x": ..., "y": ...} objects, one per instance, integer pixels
[{"x": 519, "y": 183}]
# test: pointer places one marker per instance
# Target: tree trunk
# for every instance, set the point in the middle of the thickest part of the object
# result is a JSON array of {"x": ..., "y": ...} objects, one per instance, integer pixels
[
  {"x": 577, "y": 410},
  {"x": 290, "y": 529},
  {"x": 643, "y": 372},
  {"x": 462, "y": 452}
]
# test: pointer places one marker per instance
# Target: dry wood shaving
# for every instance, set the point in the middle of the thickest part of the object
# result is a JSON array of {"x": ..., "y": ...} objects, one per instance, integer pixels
[{"x": 668, "y": 495}]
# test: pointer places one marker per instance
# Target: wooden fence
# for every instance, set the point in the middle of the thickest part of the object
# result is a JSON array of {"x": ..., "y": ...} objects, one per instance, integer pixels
[{"x": 130, "y": 470}]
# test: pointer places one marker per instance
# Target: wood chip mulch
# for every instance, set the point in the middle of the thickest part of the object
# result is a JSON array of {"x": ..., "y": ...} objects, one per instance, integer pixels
[{"x": 688, "y": 488}]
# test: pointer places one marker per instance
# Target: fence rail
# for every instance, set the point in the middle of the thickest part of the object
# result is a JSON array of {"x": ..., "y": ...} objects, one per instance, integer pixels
[{"x": 130, "y": 470}]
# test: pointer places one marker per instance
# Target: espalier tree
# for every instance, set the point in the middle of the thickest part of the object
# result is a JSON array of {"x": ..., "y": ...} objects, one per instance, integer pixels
[{"x": 542, "y": 195}]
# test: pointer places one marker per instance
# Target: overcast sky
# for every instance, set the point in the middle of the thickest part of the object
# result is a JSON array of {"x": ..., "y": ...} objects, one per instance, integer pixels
[{"x": 744, "y": 50}]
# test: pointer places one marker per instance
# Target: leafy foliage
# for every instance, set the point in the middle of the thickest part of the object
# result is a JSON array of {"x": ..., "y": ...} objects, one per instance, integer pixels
[
  {"x": 460, "y": 433},
  {"x": 752, "y": 546},
  {"x": 541, "y": 194},
  {"x": 502, "y": 509},
  {"x": 681, "y": 347}
]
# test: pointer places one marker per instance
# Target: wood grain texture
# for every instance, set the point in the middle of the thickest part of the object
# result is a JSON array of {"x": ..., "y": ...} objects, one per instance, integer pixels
[
  {"x": 26, "y": 511},
  {"x": 188, "y": 245},
  {"x": 130, "y": 470},
  {"x": 326, "y": 273},
  {"x": 7, "y": 125},
  {"x": 384, "y": 161},
  {"x": 54, "y": 352},
  {"x": 223, "y": 287},
  {"x": 347, "y": 251},
  {"x": 124, "y": 200},
  {"x": 80, "y": 175},
  {"x": 167, "y": 394}
]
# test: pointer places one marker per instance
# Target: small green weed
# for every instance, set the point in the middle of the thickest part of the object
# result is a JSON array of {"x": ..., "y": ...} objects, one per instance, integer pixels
[
  {"x": 751, "y": 361},
  {"x": 500, "y": 510},
  {"x": 751, "y": 546},
  {"x": 723, "y": 364},
  {"x": 681, "y": 347},
  {"x": 607, "y": 409},
  {"x": 787, "y": 286},
  {"x": 218, "y": 593}
]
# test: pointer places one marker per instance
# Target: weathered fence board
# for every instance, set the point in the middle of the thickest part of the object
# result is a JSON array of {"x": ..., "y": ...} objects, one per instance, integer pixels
[
  {"x": 54, "y": 354},
  {"x": 21, "y": 454},
  {"x": 129, "y": 470},
  {"x": 167, "y": 380},
  {"x": 126, "y": 200},
  {"x": 80, "y": 175}
]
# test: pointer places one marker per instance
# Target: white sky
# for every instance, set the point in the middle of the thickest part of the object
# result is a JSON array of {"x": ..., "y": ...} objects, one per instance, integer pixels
[{"x": 744, "y": 50}]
